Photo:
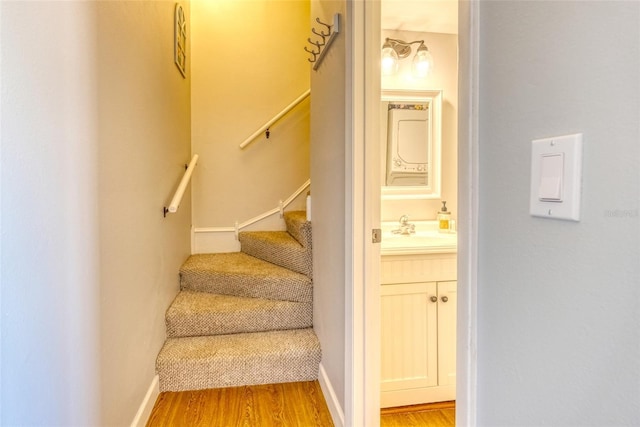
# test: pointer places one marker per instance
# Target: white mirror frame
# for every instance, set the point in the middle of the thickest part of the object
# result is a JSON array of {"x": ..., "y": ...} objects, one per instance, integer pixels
[{"x": 432, "y": 190}]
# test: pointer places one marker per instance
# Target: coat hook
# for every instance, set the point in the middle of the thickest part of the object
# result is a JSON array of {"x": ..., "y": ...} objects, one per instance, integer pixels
[
  {"x": 315, "y": 54},
  {"x": 321, "y": 33},
  {"x": 317, "y": 44},
  {"x": 312, "y": 52},
  {"x": 320, "y": 50},
  {"x": 322, "y": 23}
]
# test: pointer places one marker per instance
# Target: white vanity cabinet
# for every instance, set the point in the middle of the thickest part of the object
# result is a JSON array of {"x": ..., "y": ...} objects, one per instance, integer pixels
[{"x": 418, "y": 315}]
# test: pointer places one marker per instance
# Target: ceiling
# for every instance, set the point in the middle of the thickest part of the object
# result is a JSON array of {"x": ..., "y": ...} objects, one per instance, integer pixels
[{"x": 431, "y": 16}]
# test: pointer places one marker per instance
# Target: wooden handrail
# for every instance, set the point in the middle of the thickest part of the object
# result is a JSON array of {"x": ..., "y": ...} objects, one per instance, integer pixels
[
  {"x": 275, "y": 118},
  {"x": 177, "y": 197},
  {"x": 280, "y": 209}
]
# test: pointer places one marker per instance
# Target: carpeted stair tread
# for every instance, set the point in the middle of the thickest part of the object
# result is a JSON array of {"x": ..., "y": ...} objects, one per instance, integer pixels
[
  {"x": 244, "y": 318},
  {"x": 201, "y": 313},
  {"x": 240, "y": 274},
  {"x": 194, "y": 363},
  {"x": 298, "y": 226},
  {"x": 277, "y": 247}
]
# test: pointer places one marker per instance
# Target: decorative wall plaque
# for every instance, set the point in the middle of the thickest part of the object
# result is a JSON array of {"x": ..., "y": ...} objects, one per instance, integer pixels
[{"x": 180, "y": 45}]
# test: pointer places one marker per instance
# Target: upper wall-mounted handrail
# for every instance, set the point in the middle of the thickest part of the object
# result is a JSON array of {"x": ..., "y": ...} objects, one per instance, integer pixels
[
  {"x": 177, "y": 197},
  {"x": 267, "y": 125}
]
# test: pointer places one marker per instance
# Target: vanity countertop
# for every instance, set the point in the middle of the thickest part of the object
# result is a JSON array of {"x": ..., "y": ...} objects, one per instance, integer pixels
[{"x": 426, "y": 240}]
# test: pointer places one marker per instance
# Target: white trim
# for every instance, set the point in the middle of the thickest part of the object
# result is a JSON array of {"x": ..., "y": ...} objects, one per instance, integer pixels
[
  {"x": 355, "y": 357},
  {"x": 258, "y": 218},
  {"x": 1, "y": 234},
  {"x": 468, "y": 193},
  {"x": 279, "y": 209},
  {"x": 362, "y": 311},
  {"x": 292, "y": 197},
  {"x": 433, "y": 188},
  {"x": 337, "y": 414},
  {"x": 225, "y": 239},
  {"x": 208, "y": 240},
  {"x": 371, "y": 175},
  {"x": 142, "y": 416}
]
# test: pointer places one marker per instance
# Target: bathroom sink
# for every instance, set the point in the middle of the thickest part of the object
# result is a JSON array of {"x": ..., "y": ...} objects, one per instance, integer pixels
[{"x": 426, "y": 239}]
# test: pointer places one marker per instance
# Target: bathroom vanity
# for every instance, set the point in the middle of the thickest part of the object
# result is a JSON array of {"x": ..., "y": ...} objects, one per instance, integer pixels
[{"x": 418, "y": 315}]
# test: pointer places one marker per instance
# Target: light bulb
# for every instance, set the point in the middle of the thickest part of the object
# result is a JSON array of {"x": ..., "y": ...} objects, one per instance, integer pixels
[
  {"x": 422, "y": 62},
  {"x": 389, "y": 60}
]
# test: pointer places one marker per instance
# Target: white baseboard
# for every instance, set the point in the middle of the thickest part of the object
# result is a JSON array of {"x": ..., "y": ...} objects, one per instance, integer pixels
[
  {"x": 142, "y": 416},
  {"x": 211, "y": 240},
  {"x": 330, "y": 397},
  {"x": 223, "y": 239},
  {"x": 207, "y": 240}
]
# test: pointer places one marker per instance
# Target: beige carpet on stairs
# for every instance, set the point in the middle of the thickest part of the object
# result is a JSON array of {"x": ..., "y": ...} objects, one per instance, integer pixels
[
  {"x": 239, "y": 274},
  {"x": 244, "y": 318},
  {"x": 194, "y": 363},
  {"x": 201, "y": 313}
]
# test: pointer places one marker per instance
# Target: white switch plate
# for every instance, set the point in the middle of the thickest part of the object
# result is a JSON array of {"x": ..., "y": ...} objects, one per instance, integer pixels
[{"x": 570, "y": 147}]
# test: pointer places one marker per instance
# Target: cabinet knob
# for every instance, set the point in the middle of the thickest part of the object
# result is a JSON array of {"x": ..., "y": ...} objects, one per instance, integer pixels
[
  {"x": 434, "y": 299},
  {"x": 445, "y": 298}
]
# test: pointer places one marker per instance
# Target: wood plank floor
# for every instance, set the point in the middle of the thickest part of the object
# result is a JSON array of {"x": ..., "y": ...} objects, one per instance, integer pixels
[
  {"x": 442, "y": 414},
  {"x": 288, "y": 404}
]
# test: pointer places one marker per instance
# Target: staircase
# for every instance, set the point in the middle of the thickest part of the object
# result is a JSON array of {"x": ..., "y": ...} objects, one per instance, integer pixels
[{"x": 244, "y": 318}]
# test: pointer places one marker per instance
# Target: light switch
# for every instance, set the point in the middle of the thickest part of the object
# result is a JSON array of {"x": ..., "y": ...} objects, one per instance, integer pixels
[
  {"x": 551, "y": 175},
  {"x": 556, "y": 175}
]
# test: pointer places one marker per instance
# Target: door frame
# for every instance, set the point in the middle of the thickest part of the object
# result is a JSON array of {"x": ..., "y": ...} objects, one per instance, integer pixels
[
  {"x": 468, "y": 192},
  {"x": 362, "y": 337}
]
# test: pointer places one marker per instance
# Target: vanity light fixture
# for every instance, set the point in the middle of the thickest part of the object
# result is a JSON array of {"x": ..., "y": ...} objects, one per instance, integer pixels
[{"x": 393, "y": 50}]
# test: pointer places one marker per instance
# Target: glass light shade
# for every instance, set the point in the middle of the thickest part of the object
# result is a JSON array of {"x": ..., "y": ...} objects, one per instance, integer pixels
[
  {"x": 389, "y": 60},
  {"x": 422, "y": 62}
]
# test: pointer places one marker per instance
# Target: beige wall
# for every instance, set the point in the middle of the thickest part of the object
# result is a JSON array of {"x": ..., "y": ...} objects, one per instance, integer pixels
[
  {"x": 328, "y": 181},
  {"x": 95, "y": 130},
  {"x": 444, "y": 76},
  {"x": 248, "y": 64},
  {"x": 143, "y": 144}
]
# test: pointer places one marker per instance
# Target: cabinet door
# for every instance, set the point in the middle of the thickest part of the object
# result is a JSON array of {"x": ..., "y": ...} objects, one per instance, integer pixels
[
  {"x": 409, "y": 355},
  {"x": 447, "y": 303}
]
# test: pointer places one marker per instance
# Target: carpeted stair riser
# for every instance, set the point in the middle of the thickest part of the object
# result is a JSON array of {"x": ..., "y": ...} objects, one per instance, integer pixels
[
  {"x": 299, "y": 228},
  {"x": 277, "y": 247},
  {"x": 199, "y": 314},
  {"x": 290, "y": 249},
  {"x": 242, "y": 359},
  {"x": 242, "y": 275}
]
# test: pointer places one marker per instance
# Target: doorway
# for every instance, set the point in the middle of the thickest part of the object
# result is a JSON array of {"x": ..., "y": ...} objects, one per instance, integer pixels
[
  {"x": 363, "y": 409},
  {"x": 418, "y": 140}
]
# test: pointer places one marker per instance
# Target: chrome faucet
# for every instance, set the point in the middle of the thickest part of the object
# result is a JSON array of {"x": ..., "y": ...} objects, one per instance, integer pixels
[{"x": 406, "y": 228}]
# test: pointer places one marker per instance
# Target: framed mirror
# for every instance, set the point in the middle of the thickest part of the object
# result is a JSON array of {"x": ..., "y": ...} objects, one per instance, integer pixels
[{"x": 411, "y": 123}]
